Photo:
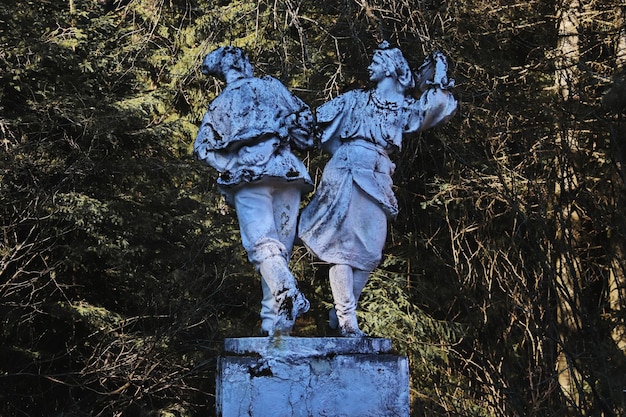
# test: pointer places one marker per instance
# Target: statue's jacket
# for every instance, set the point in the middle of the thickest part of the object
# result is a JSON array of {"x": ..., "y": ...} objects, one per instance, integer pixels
[{"x": 248, "y": 130}]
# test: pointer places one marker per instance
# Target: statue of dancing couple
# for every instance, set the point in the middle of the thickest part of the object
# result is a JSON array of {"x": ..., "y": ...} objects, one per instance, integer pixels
[{"x": 247, "y": 135}]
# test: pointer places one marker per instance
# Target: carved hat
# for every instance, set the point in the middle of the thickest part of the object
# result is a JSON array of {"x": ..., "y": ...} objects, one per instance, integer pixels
[
  {"x": 226, "y": 58},
  {"x": 397, "y": 63}
]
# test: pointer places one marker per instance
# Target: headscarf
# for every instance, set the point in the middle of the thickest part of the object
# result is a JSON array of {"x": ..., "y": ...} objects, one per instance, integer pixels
[{"x": 397, "y": 64}]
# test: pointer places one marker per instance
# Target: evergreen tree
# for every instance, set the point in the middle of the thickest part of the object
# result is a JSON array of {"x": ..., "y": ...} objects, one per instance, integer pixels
[{"x": 121, "y": 266}]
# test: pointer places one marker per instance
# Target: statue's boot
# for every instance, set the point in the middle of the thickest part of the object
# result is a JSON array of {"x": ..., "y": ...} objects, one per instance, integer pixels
[
  {"x": 342, "y": 286},
  {"x": 359, "y": 280},
  {"x": 269, "y": 310},
  {"x": 281, "y": 296}
]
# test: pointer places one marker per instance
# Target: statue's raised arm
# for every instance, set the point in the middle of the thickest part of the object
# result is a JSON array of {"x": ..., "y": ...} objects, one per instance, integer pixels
[
  {"x": 345, "y": 224},
  {"x": 436, "y": 101}
]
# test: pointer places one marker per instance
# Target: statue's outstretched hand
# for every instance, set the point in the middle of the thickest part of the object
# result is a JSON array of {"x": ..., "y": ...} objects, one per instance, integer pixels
[{"x": 433, "y": 73}]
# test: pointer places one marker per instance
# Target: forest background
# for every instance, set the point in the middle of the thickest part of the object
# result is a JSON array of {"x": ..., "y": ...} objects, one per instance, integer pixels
[{"x": 121, "y": 267}]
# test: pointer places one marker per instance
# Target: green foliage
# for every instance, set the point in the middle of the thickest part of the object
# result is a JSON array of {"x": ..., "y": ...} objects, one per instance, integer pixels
[
  {"x": 121, "y": 267},
  {"x": 114, "y": 250},
  {"x": 388, "y": 309}
]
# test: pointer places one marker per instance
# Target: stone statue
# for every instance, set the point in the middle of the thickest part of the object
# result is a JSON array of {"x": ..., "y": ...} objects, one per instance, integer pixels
[
  {"x": 345, "y": 224},
  {"x": 247, "y": 134}
]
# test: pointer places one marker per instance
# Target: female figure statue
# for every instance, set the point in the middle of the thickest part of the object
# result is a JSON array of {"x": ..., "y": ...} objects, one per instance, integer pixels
[{"x": 345, "y": 224}]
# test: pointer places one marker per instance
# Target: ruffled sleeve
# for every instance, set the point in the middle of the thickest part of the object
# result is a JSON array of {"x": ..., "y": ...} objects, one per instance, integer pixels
[
  {"x": 335, "y": 124},
  {"x": 433, "y": 108}
]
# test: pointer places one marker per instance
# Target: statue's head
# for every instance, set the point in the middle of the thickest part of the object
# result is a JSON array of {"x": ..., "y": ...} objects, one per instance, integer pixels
[
  {"x": 225, "y": 59},
  {"x": 396, "y": 64}
]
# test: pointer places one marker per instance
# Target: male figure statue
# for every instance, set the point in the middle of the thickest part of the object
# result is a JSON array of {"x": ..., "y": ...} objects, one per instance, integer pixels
[{"x": 246, "y": 135}]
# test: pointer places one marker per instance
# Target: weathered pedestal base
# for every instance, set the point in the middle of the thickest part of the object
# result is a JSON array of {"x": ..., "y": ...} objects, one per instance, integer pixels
[{"x": 311, "y": 377}]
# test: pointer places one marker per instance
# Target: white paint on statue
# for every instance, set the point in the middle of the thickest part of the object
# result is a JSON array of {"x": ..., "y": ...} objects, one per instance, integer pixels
[
  {"x": 345, "y": 224},
  {"x": 246, "y": 135}
]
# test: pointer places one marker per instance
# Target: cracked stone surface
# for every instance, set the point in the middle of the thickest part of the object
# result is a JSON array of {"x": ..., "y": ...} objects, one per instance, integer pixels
[{"x": 299, "y": 377}]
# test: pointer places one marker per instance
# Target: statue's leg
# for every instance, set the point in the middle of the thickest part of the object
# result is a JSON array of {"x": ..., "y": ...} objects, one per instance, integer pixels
[
  {"x": 282, "y": 301},
  {"x": 289, "y": 302},
  {"x": 269, "y": 309},
  {"x": 342, "y": 286},
  {"x": 333, "y": 321},
  {"x": 359, "y": 280},
  {"x": 286, "y": 205}
]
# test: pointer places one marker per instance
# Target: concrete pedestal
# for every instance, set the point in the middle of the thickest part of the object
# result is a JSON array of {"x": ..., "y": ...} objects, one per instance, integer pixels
[{"x": 311, "y": 377}]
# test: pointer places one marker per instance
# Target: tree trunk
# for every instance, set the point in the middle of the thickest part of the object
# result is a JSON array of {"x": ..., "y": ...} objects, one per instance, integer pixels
[
  {"x": 617, "y": 277},
  {"x": 620, "y": 52},
  {"x": 567, "y": 265},
  {"x": 567, "y": 52}
]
